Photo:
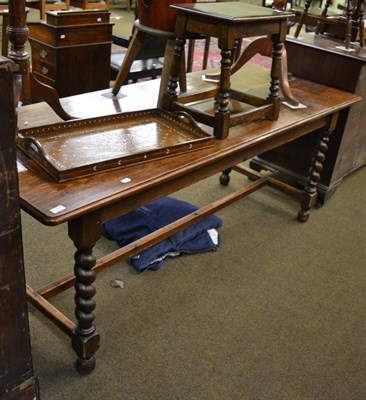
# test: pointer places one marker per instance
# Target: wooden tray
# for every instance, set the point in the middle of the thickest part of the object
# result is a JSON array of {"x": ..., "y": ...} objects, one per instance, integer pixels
[{"x": 82, "y": 147}]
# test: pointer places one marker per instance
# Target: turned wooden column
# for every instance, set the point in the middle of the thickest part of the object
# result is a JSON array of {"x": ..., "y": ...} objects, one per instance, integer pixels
[
  {"x": 174, "y": 74},
  {"x": 17, "y": 32},
  {"x": 223, "y": 114},
  {"x": 274, "y": 95},
  {"x": 85, "y": 232}
]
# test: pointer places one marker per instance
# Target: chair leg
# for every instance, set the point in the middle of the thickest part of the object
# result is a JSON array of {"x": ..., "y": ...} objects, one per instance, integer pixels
[
  {"x": 132, "y": 52},
  {"x": 183, "y": 76},
  {"x": 191, "y": 44},
  {"x": 190, "y": 58},
  {"x": 302, "y": 17},
  {"x": 206, "y": 52},
  {"x": 42, "y": 9}
]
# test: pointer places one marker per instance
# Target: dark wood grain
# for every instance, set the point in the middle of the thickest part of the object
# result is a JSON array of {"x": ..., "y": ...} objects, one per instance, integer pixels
[{"x": 17, "y": 380}]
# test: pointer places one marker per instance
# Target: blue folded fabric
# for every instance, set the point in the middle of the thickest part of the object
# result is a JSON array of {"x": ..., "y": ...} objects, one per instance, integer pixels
[{"x": 144, "y": 220}]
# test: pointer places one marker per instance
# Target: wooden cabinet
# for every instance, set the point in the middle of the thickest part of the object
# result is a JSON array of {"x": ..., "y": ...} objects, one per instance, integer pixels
[
  {"x": 71, "y": 51},
  {"x": 17, "y": 380},
  {"x": 319, "y": 59}
]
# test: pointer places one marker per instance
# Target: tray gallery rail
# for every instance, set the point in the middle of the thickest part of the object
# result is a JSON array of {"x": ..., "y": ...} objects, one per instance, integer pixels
[{"x": 77, "y": 148}]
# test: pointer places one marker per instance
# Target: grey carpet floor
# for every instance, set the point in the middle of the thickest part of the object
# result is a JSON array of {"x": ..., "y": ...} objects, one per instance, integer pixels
[{"x": 277, "y": 313}]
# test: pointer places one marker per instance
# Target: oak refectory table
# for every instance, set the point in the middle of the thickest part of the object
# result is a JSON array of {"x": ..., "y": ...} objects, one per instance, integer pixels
[{"x": 86, "y": 203}]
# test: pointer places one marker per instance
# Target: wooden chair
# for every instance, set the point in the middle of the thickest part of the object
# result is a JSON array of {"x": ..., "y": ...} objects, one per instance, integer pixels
[
  {"x": 153, "y": 22},
  {"x": 48, "y": 5},
  {"x": 141, "y": 59},
  {"x": 351, "y": 18},
  {"x": 91, "y": 4}
]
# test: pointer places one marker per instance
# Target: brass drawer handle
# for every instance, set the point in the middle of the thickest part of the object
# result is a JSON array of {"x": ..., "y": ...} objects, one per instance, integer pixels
[
  {"x": 44, "y": 70},
  {"x": 43, "y": 53}
]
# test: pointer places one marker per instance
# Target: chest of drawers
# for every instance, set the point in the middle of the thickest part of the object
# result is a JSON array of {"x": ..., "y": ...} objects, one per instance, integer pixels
[{"x": 71, "y": 51}]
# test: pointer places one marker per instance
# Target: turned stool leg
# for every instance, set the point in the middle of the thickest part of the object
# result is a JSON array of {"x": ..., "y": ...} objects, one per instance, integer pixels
[
  {"x": 274, "y": 96},
  {"x": 166, "y": 97},
  {"x": 222, "y": 115}
]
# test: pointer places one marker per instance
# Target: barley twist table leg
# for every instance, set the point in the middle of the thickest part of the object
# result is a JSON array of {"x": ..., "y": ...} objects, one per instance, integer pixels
[
  {"x": 85, "y": 305},
  {"x": 308, "y": 196},
  {"x": 85, "y": 232}
]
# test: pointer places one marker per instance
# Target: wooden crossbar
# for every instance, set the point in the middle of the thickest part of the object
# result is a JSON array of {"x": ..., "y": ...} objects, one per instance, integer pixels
[{"x": 155, "y": 237}]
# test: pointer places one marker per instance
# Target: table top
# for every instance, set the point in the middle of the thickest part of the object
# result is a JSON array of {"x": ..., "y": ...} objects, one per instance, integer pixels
[
  {"x": 237, "y": 12},
  {"x": 54, "y": 203}
]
